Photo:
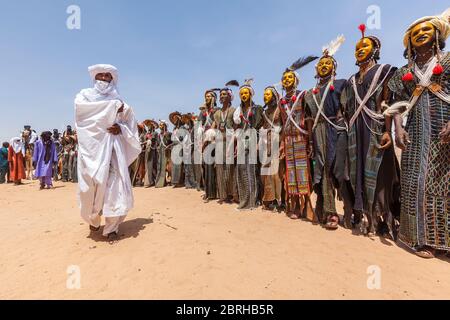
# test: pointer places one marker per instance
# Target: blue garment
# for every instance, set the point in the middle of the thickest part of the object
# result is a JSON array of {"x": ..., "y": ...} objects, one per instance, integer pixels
[
  {"x": 44, "y": 169},
  {"x": 3, "y": 157}
]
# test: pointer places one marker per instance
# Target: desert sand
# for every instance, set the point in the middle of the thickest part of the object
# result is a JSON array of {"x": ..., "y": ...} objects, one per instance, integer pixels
[{"x": 175, "y": 247}]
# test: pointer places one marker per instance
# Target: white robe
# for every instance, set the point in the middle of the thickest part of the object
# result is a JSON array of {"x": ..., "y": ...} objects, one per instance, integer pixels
[{"x": 103, "y": 159}]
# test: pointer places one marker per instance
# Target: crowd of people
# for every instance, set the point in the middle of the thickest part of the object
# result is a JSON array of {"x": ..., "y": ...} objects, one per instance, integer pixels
[
  {"x": 48, "y": 157},
  {"x": 335, "y": 140}
]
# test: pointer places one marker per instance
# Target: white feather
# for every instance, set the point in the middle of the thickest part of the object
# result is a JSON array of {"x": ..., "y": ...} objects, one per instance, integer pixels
[
  {"x": 446, "y": 15},
  {"x": 248, "y": 82},
  {"x": 334, "y": 45}
]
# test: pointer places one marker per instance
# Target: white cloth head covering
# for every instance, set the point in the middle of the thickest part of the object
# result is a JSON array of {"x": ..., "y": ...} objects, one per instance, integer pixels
[
  {"x": 17, "y": 144},
  {"x": 104, "y": 68},
  {"x": 96, "y": 94},
  {"x": 440, "y": 22}
]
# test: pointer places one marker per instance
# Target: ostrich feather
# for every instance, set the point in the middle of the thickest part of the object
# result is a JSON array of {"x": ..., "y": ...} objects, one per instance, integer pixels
[{"x": 333, "y": 47}]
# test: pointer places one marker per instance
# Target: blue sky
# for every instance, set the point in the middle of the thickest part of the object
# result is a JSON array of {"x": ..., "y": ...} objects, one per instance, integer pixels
[{"x": 169, "y": 52}]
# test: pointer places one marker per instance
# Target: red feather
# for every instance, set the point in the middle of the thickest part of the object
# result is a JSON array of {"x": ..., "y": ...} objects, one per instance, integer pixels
[{"x": 362, "y": 28}]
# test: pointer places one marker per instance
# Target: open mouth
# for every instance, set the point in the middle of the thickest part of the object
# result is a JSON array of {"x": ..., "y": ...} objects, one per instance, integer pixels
[
  {"x": 422, "y": 38},
  {"x": 361, "y": 54}
]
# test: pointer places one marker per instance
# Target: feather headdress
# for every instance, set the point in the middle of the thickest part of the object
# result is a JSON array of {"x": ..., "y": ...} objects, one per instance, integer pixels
[
  {"x": 248, "y": 84},
  {"x": 301, "y": 62},
  {"x": 232, "y": 83},
  {"x": 333, "y": 47}
]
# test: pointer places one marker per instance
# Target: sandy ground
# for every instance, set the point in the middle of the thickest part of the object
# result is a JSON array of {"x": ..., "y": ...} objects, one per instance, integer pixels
[{"x": 175, "y": 247}]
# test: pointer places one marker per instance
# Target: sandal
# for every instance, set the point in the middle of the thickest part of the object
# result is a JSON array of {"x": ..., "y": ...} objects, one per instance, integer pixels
[
  {"x": 333, "y": 223},
  {"x": 425, "y": 253},
  {"x": 94, "y": 229},
  {"x": 293, "y": 216},
  {"x": 113, "y": 238}
]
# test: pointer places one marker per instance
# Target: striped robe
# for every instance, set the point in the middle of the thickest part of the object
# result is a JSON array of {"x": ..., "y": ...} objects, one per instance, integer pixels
[{"x": 425, "y": 179}]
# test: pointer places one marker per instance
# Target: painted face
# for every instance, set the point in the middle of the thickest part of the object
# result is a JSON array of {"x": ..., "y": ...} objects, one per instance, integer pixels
[
  {"x": 289, "y": 80},
  {"x": 245, "y": 95},
  {"x": 162, "y": 126},
  {"x": 364, "y": 49},
  {"x": 268, "y": 96},
  {"x": 224, "y": 97},
  {"x": 422, "y": 34},
  {"x": 325, "y": 67},
  {"x": 209, "y": 98},
  {"x": 107, "y": 77}
]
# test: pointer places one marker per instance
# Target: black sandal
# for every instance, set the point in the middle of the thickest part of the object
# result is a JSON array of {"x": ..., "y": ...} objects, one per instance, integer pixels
[
  {"x": 94, "y": 229},
  {"x": 113, "y": 237}
]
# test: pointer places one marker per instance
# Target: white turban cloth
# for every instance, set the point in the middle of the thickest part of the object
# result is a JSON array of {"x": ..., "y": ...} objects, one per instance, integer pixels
[
  {"x": 440, "y": 22},
  {"x": 104, "y": 68}
]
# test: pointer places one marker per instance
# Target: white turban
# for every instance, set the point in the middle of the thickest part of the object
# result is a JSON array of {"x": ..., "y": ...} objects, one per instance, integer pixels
[
  {"x": 104, "y": 68},
  {"x": 17, "y": 144}
]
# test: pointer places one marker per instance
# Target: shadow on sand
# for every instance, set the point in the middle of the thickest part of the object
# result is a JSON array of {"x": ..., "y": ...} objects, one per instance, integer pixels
[{"x": 128, "y": 229}]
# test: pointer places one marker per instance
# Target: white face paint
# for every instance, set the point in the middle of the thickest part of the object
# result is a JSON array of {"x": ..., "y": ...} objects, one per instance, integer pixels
[{"x": 103, "y": 87}]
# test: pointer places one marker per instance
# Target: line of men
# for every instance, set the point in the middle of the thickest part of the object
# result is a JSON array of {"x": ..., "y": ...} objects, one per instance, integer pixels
[
  {"x": 19, "y": 158},
  {"x": 335, "y": 140}
]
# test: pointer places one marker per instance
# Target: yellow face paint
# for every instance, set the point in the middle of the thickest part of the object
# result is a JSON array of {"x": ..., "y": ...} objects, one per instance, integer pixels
[
  {"x": 325, "y": 67},
  {"x": 268, "y": 96},
  {"x": 245, "y": 95},
  {"x": 364, "y": 49},
  {"x": 422, "y": 34},
  {"x": 289, "y": 80},
  {"x": 209, "y": 97}
]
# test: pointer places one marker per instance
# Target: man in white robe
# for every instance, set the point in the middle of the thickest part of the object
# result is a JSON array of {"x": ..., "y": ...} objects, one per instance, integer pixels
[{"x": 108, "y": 144}]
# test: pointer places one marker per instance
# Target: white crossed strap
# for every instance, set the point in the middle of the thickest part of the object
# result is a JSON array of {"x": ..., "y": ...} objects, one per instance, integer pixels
[
  {"x": 425, "y": 82},
  {"x": 374, "y": 86},
  {"x": 290, "y": 112},
  {"x": 320, "y": 110}
]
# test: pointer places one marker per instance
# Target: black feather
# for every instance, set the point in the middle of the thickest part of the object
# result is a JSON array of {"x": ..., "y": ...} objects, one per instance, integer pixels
[
  {"x": 303, "y": 61},
  {"x": 234, "y": 83}
]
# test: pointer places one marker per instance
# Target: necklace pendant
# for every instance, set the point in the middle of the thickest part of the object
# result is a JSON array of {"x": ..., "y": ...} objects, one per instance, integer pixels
[
  {"x": 418, "y": 91},
  {"x": 435, "y": 87}
]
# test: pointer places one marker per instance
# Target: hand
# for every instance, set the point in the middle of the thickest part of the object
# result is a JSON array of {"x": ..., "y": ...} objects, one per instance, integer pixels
[
  {"x": 115, "y": 129},
  {"x": 121, "y": 108},
  {"x": 445, "y": 133},
  {"x": 310, "y": 150},
  {"x": 386, "y": 141},
  {"x": 402, "y": 138}
]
